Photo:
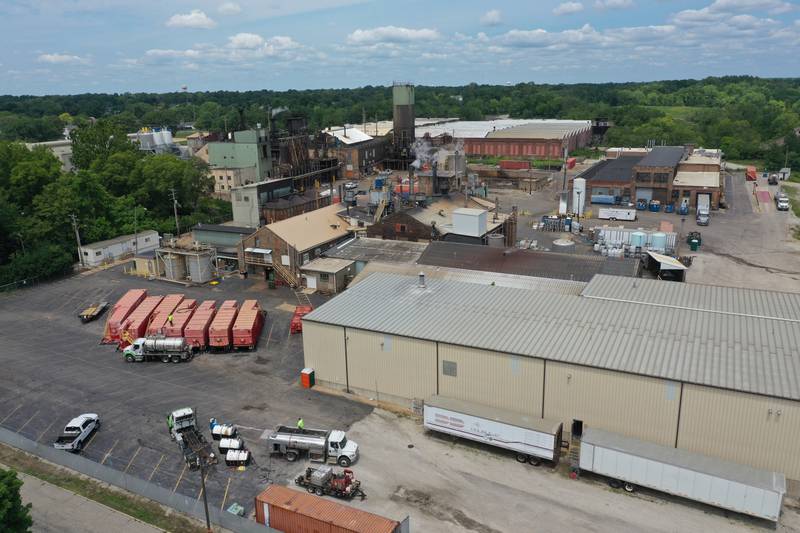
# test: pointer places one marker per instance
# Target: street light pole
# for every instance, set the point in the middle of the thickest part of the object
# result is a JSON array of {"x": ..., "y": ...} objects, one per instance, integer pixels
[{"x": 579, "y": 207}]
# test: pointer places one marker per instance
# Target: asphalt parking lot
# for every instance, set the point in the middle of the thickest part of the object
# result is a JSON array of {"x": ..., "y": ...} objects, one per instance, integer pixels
[{"x": 55, "y": 368}]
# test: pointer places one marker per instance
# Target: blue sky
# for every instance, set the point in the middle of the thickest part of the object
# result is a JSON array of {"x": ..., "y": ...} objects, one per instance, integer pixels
[{"x": 77, "y": 46}]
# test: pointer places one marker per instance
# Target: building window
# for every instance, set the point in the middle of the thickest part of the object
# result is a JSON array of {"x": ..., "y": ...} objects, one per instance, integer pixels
[
  {"x": 450, "y": 368},
  {"x": 86, "y": 253},
  {"x": 147, "y": 239},
  {"x": 323, "y": 276},
  {"x": 246, "y": 198},
  {"x": 400, "y": 228},
  {"x": 98, "y": 254}
]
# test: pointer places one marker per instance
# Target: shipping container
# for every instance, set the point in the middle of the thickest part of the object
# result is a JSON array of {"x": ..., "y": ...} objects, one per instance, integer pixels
[
  {"x": 120, "y": 312},
  {"x": 631, "y": 462},
  {"x": 196, "y": 330},
  {"x": 180, "y": 317},
  {"x": 136, "y": 324},
  {"x": 292, "y": 511},
  {"x": 248, "y": 325},
  {"x": 508, "y": 164},
  {"x": 158, "y": 320},
  {"x": 220, "y": 332}
]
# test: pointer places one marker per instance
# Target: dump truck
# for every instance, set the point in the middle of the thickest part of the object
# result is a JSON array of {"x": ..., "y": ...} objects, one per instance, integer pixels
[
  {"x": 158, "y": 348},
  {"x": 321, "y": 445},
  {"x": 183, "y": 429},
  {"x": 324, "y": 480},
  {"x": 92, "y": 312}
]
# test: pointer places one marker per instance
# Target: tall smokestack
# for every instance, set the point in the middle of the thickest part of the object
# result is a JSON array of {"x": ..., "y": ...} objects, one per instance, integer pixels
[{"x": 403, "y": 117}]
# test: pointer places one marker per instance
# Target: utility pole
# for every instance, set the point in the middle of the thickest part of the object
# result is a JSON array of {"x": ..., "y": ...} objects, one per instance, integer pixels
[
  {"x": 136, "y": 229},
  {"x": 203, "y": 467},
  {"x": 77, "y": 238},
  {"x": 175, "y": 206}
]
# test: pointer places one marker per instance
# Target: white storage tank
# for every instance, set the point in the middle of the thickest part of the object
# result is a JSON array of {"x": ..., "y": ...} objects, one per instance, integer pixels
[
  {"x": 638, "y": 238},
  {"x": 578, "y": 195},
  {"x": 658, "y": 241},
  {"x": 174, "y": 267},
  {"x": 200, "y": 268},
  {"x": 497, "y": 240}
]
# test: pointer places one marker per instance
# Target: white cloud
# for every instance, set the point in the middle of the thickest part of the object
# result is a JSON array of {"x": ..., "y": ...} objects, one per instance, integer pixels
[
  {"x": 229, "y": 8},
  {"x": 62, "y": 58},
  {"x": 195, "y": 19},
  {"x": 613, "y": 4},
  {"x": 567, "y": 8},
  {"x": 247, "y": 41},
  {"x": 160, "y": 52},
  {"x": 492, "y": 18},
  {"x": 392, "y": 34}
]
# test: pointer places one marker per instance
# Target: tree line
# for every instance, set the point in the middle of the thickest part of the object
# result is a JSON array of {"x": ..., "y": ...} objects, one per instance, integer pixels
[{"x": 115, "y": 190}]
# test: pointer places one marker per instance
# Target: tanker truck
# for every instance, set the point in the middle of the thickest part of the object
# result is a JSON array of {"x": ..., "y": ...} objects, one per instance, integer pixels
[
  {"x": 322, "y": 445},
  {"x": 165, "y": 349}
]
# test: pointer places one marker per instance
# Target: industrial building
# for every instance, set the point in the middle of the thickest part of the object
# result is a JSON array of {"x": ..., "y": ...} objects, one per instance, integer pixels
[
  {"x": 359, "y": 153},
  {"x": 700, "y": 368},
  {"x": 244, "y": 157},
  {"x": 531, "y": 138},
  {"x": 364, "y": 250},
  {"x": 103, "y": 252},
  {"x": 328, "y": 275},
  {"x": 270, "y": 201},
  {"x": 61, "y": 148}
]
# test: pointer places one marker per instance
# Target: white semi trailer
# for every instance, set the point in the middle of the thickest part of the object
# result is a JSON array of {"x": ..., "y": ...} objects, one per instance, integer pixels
[
  {"x": 531, "y": 438},
  {"x": 630, "y": 462},
  {"x": 616, "y": 213}
]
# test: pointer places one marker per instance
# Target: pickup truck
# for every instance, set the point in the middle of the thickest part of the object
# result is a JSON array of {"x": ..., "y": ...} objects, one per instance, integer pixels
[{"x": 76, "y": 432}]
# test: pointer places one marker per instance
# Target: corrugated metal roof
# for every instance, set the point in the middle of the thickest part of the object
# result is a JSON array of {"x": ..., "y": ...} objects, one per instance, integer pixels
[
  {"x": 348, "y": 135},
  {"x": 120, "y": 239},
  {"x": 326, "y": 511},
  {"x": 721, "y": 350},
  {"x": 747, "y": 475},
  {"x": 504, "y": 416},
  {"x": 542, "y": 129},
  {"x": 713, "y": 298},
  {"x": 311, "y": 229}
]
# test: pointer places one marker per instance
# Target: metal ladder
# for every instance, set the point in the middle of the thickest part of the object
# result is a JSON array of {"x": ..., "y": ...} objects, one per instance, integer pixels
[{"x": 302, "y": 298}]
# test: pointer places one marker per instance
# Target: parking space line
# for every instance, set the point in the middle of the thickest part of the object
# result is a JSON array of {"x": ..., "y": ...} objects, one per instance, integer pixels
[
  {"x": 200, "y": 494},
  {"x": 156, "y": 467},
  {"x": 17, "y": 408},
  {"x": 225, "y": 496},
  {"x": 269, "y": 336},
  {"x": 28, "y": 422},
  {"x": 105, "y": 457},
  {"x": 132, "y": 458},
  {"x": 45, "y": 431},
  {"x": 90, "y": 439},
  {"x": 179, "y": 478}
]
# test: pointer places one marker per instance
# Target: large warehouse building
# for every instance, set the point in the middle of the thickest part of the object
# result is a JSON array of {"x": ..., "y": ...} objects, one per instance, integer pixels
[{"x": 712, "y": 370}]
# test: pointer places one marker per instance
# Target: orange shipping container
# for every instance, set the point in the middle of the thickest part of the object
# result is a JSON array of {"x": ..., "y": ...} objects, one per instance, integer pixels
[
  {"x": 180, "y": 317},
  {"x": 292, "y": 511},
  {"x": 220, "y": 333},
  {"x": 122, "y": 309},
  {"x": 159, "y": 319},
  {"x": 136, "y": 325},
  {"x": 247, "y": 327},
  {"x": 196, "y": 330}
]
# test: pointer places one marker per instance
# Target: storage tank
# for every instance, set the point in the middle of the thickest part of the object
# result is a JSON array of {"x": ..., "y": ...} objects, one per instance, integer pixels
[
  {"x": 403, "y": 117},
  {"x": 200, "y": 268},
  {"x": 658, "y": 241},
  {"x": 638, "y": 238},
  {"x": 497, "y": 240},
  {"x": 578, "y": 195},
  {"x": 174, "y": 267},
  {"x": 166, "y": 137},
  {"x": 564, "y": 245}
]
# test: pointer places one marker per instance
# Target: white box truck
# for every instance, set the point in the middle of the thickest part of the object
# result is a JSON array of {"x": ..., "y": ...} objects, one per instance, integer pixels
[
  {"x": 616, "y": 213},
  {"x": 631, "y": 462},
  {"x": 532, "y": 438}
]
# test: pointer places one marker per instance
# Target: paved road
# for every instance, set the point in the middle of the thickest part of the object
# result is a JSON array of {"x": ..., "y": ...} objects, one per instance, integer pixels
[{"x": 61, "y": 511}]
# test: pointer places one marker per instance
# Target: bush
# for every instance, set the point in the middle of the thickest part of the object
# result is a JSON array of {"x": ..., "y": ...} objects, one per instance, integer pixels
[
  {"x": 43, "y": 262},
  {"x": 14, "y": 516}
]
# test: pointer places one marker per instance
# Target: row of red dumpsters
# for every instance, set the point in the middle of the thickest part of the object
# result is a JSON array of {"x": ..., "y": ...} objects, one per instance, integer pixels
[{"x": 204, "y": 326}]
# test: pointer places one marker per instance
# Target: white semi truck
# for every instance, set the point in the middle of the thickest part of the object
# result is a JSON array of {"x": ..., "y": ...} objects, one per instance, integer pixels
[
  {"x": 533, "y": 439},
  {"x": 321, "y": 445},
  {"x": 164, "y": 349},
  {"x": 183, "y": 429}
]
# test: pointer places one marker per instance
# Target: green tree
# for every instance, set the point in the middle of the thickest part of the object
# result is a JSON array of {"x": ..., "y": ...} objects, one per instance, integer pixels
[
  {"x": 14, "y": 516},
  {"x": 97, "y": 142}
]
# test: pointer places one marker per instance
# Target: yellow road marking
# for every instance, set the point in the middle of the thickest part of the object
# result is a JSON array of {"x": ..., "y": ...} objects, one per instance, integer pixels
[
  {"x": 179, "y": 478},
  {"x": 28, "y": 422},
  {"x": 225, "y": 496},
  {"x": 11, "y": 413},
  {"x": 105, "y": 457},
  {"x": 156, "y": 467},
  {"x": 132, "y": 458}
]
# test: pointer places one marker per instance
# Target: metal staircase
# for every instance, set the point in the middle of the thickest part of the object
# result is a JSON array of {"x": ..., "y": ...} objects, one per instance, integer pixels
[
  {"x": 285, "y": 274},
  {"x": 379, "y": 209}
]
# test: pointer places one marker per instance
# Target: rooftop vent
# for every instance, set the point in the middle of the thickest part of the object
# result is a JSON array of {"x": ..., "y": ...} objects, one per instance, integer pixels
[{"x": 421, "y": 282}]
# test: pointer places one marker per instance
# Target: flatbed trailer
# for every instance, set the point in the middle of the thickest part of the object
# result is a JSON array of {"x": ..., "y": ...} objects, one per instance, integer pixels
[
  {"x": 248, "y": 325},
  {"x": 630, "y": 462},
  {"x": 196, "y": 330},
  {"x": 180, "y": 317},
  {"x": 92, "y": 312},
  {"x": 119, "y": 314},
  {"x": 158, "y": 320},
  {"x": 220, "y": 332}
]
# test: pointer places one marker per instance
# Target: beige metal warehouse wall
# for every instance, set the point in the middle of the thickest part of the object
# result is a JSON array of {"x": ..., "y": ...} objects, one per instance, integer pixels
[
  {"x": 739, "y": 427},
  {"x": 491, "y": 378},
  {"x": 323, "y": 346},
  {"x": 390, "y": 368},
  {"x": 637, "y": 406}
]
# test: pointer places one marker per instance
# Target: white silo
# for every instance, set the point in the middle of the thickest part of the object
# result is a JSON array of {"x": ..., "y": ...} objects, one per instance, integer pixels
[{"x": 578, "y": 195}]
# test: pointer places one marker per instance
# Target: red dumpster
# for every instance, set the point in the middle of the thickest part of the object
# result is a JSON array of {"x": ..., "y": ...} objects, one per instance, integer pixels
[
  {"x": 247, "y": 327},
  {"x": 121, "y": 310},
  {"x": 296, "y": 325},
  {"x": 180, "y": 317},
  {"x": 509, "y": 164},
  {"x": 220, "y": 333},
  {"x": 196, "y": 330},
  {"x": 159, "y": 319},
  {"x": 136, "y": 325}
]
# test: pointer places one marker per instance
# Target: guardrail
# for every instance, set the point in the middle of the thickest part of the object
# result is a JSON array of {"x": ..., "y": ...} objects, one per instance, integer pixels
[{"x": 185, "y": 504}]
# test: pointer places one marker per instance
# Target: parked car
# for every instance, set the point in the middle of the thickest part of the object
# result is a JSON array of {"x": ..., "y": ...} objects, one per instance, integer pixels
[
  {"x": 75, "y": 433},
  {"x": 773, "y": 179},
  {"x": 781, "y": 202},
  {"x": 351, "y": 185}
]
